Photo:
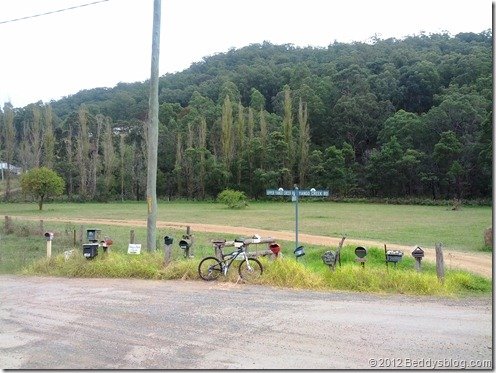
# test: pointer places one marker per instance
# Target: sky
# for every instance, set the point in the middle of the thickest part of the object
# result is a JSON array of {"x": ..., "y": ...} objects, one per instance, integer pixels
[{"x": 48, "y": 57}]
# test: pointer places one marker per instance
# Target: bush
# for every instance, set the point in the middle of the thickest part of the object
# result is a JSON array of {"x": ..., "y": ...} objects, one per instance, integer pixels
[{"x": 234, "y": 199}]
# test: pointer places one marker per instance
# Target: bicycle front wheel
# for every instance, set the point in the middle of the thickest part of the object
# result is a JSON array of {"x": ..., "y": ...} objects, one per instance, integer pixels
[
  {"x": 250, "y": 271},
  {"x": 210, "y": 268}
]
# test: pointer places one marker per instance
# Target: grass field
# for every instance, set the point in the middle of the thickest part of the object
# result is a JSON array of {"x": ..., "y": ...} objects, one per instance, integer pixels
[{"x": 398, "y": 224}]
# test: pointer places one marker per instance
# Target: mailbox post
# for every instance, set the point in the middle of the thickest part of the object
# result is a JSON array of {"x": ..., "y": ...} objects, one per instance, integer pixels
[
  {"x": 168, "y": 241},
  {"x": 49, "y": 238}
]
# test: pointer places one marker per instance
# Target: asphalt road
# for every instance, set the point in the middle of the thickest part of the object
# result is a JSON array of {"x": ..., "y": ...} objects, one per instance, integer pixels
[{"x": 60, "y": 323}]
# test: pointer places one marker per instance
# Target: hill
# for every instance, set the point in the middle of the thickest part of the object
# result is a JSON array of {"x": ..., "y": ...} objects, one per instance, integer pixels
[{"x": 392, "y": 118}]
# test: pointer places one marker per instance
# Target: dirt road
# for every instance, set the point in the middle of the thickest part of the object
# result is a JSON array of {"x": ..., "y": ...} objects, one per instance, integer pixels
[
  {"x": 479, "y": 263},
  {"x": 60, "y": 323}
]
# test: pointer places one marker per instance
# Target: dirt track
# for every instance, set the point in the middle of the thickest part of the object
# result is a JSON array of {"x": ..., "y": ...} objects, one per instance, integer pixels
[
  {"x": 75, "y": 323},
  {"x": 479, "y": 263}
]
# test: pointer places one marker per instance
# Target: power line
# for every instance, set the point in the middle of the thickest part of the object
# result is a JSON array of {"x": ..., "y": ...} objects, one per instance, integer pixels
[{"x": 53, "y": 11}]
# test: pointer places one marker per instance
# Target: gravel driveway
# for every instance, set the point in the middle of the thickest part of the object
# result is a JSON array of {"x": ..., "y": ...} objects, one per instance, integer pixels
[{"x": 52, "y": 323}]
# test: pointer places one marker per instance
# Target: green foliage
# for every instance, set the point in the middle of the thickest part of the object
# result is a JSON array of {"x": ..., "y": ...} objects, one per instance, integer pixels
[
  {"x": 234, "y": 199},
  {"x": 42, "y": 183},
  {"x": 432, "y": 92}
]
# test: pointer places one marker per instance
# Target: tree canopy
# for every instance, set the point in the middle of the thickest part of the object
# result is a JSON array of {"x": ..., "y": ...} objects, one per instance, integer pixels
[{"x": 389, "y": 118}]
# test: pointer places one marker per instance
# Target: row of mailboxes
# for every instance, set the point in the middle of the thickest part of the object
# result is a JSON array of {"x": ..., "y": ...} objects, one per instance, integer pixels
[{"x": 392, "y": 256}]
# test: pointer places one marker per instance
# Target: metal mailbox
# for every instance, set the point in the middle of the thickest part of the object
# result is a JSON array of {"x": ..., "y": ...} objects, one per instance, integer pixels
[
  {"x": 168, "y": 240},
  {"x": 361, "y": 252},
  {"x": 329, "y": 258},
  {"x": 90, "y": 250},
  {"x": 275, "y": 248},
  {"x": 93, "y": 234},
  {"x": 394, "y": 256},
  {"x": 299, "y": 251},
  {"x": 418, "y": 252}
]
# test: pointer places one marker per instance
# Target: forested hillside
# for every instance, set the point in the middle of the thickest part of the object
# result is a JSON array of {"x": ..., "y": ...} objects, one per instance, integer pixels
[{"x": 390, "y": 118}]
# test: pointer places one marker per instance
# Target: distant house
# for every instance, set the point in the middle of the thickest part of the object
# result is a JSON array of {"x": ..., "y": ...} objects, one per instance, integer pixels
[{"x": 13, "y": 169}]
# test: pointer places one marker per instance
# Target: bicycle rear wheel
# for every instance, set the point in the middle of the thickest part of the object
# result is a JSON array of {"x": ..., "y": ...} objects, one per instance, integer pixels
[
  {"x": 210, "y": 268},
  {"x": 250, "y": 271}
]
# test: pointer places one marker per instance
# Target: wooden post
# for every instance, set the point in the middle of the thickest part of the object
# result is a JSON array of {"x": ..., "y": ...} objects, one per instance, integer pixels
[
  {"x": 49, "y": 248},
  {"x": 385, "y": 257},
  {"x": 167, "y": 254},
  {"x": 131, "y": 236},
  {"x": 8, "y": 225},
  {"x": 439, "y": 262},
  {"x": 41, "y": 227},
  {"x": 81, "y": 232},
  {"x": 74, "y": 237},
  {"x": 417, "y": 264},
  {"x": 338, "y": 252}
]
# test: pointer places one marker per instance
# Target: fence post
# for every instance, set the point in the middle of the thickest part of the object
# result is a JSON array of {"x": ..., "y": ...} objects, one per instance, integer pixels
[
  {"x": 81, "y": 232},
  {"x": 8, "y": 225},
  {"x": 439, "y": 262},
  {"x": 131, "y": 236}
]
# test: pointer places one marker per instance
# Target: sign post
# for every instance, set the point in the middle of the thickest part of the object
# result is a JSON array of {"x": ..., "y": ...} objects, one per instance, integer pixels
[{"x": 295, "y": 195}]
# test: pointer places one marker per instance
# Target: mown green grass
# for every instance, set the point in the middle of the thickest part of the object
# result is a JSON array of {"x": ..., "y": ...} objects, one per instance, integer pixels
[{"x": 395, "y": 224}]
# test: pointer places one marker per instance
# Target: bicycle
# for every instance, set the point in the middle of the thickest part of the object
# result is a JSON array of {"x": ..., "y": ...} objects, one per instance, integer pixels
[{"x": 210, "y": 268}]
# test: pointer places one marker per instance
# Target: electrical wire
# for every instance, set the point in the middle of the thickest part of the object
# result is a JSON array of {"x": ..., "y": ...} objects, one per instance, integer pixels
[{"x": 52, "y": 12}]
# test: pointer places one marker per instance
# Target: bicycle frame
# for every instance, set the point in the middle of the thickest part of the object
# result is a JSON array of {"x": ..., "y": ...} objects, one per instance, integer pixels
[{"x": 226, "y": 263}]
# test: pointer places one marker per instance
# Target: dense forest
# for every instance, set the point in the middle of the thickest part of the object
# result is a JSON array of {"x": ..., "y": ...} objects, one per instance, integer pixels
[{"x": 409, "y": 118}]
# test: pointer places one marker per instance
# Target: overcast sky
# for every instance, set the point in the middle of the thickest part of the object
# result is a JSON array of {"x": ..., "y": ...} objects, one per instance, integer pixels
[{"x": 100, "y": 45}]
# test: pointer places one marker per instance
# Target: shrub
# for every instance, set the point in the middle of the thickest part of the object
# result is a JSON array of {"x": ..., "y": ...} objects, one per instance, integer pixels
[{"x": 234, "y": 199}]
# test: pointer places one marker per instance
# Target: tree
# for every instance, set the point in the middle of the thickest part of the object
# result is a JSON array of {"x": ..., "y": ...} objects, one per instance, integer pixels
[
  {"x": 227, "y": 146},
  {"x": 9, "y": 134},
  {"x": 42, "y": 183},
  {"x": 304, "y": 142},
  {"x": 287, "y": 130}
]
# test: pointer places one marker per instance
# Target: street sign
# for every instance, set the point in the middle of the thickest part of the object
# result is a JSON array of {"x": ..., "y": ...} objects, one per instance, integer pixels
[
  {"x": 295, "y": 195},
  {"x": 301, "y": 192}
]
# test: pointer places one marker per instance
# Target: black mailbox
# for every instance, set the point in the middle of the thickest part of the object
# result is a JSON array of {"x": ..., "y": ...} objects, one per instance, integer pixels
[
  {"x": 185, "y": 244},
  {"x": 168, "y": 240},
  {"x": 299, "y": 251},
  {"x": 90, "y": 250},
  {"x": 361, "y": 252},
  {"x": 418, "y": 252}
]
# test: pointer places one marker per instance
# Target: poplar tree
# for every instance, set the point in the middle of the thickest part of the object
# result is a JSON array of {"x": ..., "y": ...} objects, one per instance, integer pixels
[
  {"x": 202, "y": 146},
  {"x": 264, "y": 134},
  {"x": 304, "y": 141},
  {"x": 240, "y": 141},
  {"x": 226, "y": 133},
  {"x": 83, "y": 148},
  {"x": 287, "y": 130},
  {"x": 108, "y": 156},
  {"x": 48, "y": 139}
]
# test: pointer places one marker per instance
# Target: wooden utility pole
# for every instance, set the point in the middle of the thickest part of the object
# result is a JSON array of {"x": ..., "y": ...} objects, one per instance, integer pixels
[{"x": 151, "y": 179}]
